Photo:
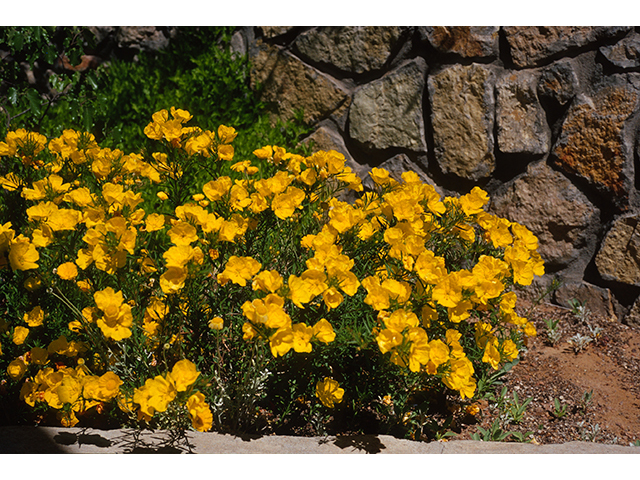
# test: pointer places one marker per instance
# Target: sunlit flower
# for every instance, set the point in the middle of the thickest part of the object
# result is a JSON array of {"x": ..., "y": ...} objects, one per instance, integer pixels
[
  {"x": 239, "y": 270},
  {"x": 329, "y": 392},
  {"x": 216, "y": 323},
  {"x": 184, "y": 374},
  {"x": 23, "y": 254},
  {"x": 67, "y": 271},
  {"x": 200, "y": 413}
]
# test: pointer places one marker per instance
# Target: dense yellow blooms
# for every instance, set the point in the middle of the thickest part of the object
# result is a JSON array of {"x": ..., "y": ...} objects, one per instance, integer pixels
[{"x": 91, "y": 227}]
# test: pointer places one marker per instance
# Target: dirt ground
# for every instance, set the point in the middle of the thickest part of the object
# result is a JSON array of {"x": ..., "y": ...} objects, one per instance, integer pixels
[{"x": 608, "y": 366}]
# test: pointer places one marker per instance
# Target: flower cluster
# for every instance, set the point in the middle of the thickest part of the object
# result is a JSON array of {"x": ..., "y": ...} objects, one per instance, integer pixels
[{"x": 163, "y": 274}]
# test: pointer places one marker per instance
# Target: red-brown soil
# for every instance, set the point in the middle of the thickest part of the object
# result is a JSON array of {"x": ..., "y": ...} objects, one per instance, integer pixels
[{"x": 609, "y": 367}]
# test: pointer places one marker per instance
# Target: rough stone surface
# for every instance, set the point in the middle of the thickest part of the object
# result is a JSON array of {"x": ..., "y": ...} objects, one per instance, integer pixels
[
  {"x": 40, "y": 440},
  {"x": 326, "y": 138},
  {"x": 600, "y": 301},
  {"x": 547, "y": 203},
  {"x": 462, "y": 118},
  {"x": 592, "y": 143},
  {"x": 143, "y": 38},
  {"x": 522, "y": 125},
  {"x": 625, "y": 53},
  {"x": 468, "y": 42},
  {"x": 532, "y": 46},
  {"x": 273, "y": 31},
  {"x": 289, "y": 85},
  {"x": 558, "y": 82},
  {"x": 388, "y": 112},
  {"x": 135, "y": 38},
  {"x": 619, "y": 255},
  {"x": 633, "y": 317},
  {"x": 351, "y": 49}
]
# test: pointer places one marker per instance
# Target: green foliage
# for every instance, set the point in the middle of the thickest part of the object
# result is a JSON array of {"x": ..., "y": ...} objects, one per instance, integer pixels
[
  {"x": 494, "y": 433},
  {"x": 196, "y": 72},
  {"x": 559, "y": 410},
  {"x": 27, "y": 105}
]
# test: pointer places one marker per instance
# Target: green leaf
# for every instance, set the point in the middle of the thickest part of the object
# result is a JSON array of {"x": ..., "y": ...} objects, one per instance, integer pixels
[
  {"x": 88, "y": 118},
  {"x": 12, "y": 95},
  {"x": 35, "y": 102},
  {"x": 18, "y": 41},
  {"x": 91, "y": 80}
]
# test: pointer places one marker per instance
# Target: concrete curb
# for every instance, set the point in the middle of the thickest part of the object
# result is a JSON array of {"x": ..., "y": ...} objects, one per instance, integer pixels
[{"x": 37, "y": 440}]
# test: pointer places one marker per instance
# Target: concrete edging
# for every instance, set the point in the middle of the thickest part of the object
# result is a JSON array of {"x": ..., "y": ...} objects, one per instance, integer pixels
[{"x": 36, "y": 440}]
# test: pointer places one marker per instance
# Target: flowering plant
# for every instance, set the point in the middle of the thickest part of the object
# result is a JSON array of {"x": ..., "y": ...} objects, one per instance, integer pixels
[{"x": 182, "y": 286}]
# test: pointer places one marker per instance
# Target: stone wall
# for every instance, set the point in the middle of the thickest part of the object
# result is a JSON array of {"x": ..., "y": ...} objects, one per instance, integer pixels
[{"x": 544, "y": 118}]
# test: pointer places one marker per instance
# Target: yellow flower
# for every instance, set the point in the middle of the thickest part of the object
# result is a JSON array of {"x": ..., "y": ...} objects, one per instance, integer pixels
[
  {"x": 380, "y": 176},
  {"x": 162, "y": 196},
  {"x": 216, "y": 323},
  {"x": 323, "y": 331},
  {"x": 34, "y": 317},
  {"x": 117, "y": 316},
  {"x": 460, "y": 377},
  {"x": 239, "y": 270},
  {"x": 509, "y": 350},
  {"x": 329, "y": 392},
  {"x": 23, "y": 254},
  {"x": 239, "y": 197},
  {"x": 429, "y": 314},
  {"x": 20, "y": 335},
  {"x": 473, "y": 202},
  {"x": 179, "y": 255},
  {"x": 16, "y": 369},
  {"x": 217, "y": 189},
  {"x": 182, "y": 233},
  {"x": 50, "y": 187},
  {"x": 269, "y": 311},
  {"x": 155, "y": 395},
  {"x": 64, "y": 219},
  {"x": 420, "y": 348},
  {"x": 10, "y": 182},
  {"x": 377, "y": 296},
  {"x": 103, "y": 388},
  {"x": 154, "y": 222},
  {"x": 281, "y": 341},
  {"x": 200, "y": 413},
  {"x": 69, "y": 390},
  {"x": 401, "y": 319},
  {"x": 264, "y": 153},
  {"x": 82, "y": 197},
  {"x": 491, "y": 353},
  {"x": 226, "y": 134},
  {"x": 302, "y": 335},
  {"x": 460, "y": 312},
  {"x": 67, "y": 271},
  {"x": 248, "y": 332},
  {"x": 332, "y": 297},
  {"x": 388, "y": 339},
  {"x": 267, "y": 281},
  {"x": 438, "y": 352},
  {"x": 448, "y": 291},
  {"x": 284, "y": 204},
  {"x": 225, "y": 152},
  {"x": 172, "y": 281},
  {"x": 183, "y": 374}
]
